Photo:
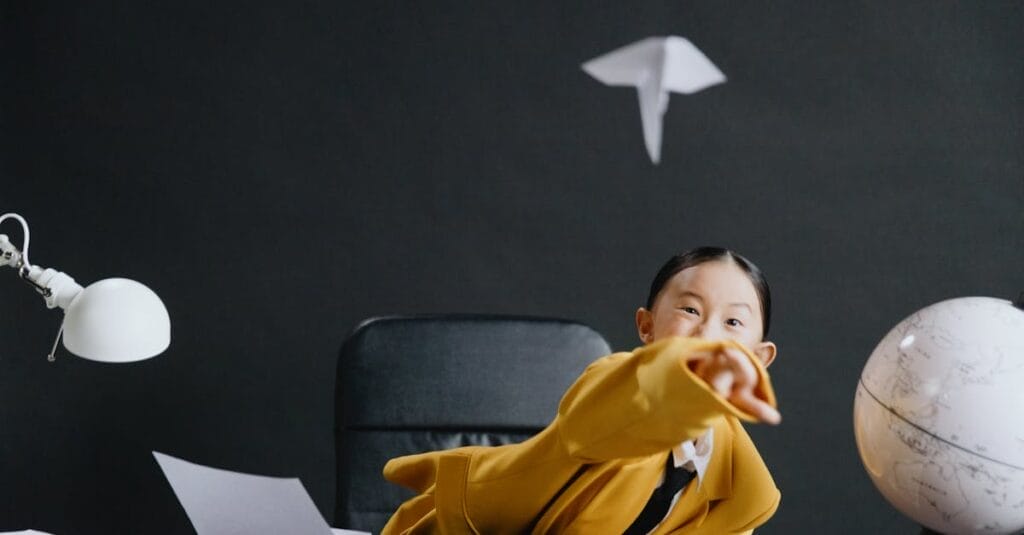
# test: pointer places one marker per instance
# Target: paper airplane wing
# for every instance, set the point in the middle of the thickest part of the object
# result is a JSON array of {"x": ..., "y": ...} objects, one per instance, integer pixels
[
  {"x": 628, "y": 65},
  {"x": 687, "y": 70}
]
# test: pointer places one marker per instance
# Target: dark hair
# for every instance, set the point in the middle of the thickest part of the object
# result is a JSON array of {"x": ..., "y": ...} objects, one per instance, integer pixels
[{"x": 700, "y": 255}]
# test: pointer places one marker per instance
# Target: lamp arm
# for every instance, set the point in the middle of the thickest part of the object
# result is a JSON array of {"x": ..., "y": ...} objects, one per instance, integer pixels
[
  {"x": 19, "y": 259},
  {"x": 56, "y": 287}
]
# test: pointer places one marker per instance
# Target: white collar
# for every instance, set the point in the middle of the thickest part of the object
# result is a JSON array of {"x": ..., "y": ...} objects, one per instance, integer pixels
[{"x": 695, "y": 454}]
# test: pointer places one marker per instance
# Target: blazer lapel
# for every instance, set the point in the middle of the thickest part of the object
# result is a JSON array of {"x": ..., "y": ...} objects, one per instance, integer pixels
[{"x": 717, "y": 483}]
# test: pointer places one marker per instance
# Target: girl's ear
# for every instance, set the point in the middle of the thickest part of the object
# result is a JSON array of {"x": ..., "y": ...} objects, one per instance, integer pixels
[
  {"x": 766, "y": 352},
  {"x": 644, "y": 325}
]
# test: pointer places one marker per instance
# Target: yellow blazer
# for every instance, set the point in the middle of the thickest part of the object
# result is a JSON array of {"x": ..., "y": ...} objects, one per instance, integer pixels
[{"x": 594, "y": 467}]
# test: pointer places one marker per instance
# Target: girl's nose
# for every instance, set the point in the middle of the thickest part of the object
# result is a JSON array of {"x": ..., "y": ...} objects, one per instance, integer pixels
[
  {"x": 701, "y": 330},
  {"x": 706, "y": 331}
]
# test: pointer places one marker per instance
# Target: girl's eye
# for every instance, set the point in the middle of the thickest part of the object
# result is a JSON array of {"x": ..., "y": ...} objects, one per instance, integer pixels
[
  {"x": 690, "y": 310},
  {"x": 733, "y": 322}
]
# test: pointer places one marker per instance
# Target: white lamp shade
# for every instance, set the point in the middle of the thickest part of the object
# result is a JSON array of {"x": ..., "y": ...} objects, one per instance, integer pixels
[{"x": 116, "y": 320}]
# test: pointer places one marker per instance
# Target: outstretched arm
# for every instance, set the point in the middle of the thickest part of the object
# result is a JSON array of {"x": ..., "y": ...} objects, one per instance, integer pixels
[{"x": 628, "y": 405}]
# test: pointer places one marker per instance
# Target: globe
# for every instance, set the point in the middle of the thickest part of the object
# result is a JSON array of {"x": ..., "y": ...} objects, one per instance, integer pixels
[{"x": 939, "y": 416}]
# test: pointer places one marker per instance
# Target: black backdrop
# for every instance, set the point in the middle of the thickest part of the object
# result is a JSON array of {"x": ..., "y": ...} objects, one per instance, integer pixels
[{"x": 279, "y": 171}]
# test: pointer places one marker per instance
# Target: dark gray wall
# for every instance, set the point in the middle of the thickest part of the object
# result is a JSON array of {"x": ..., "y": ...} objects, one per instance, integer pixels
[{"x": 279, "y": 171}]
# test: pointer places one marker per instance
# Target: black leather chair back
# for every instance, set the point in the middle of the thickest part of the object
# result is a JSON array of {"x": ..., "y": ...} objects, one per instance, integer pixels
[{"x": 420, "y": 383}]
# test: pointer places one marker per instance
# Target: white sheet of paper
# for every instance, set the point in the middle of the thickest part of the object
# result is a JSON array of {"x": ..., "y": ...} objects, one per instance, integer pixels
[
  {"x": 221, "y": 502},
  {"x": 656, "y": 66}
]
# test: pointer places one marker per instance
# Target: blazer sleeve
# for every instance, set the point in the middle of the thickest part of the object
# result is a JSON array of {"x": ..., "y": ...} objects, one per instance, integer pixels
[{"x": 645, "y": 402}]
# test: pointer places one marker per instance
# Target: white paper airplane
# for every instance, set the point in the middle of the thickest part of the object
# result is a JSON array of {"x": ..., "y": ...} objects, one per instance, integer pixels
[{"x": 656, "y": 66}]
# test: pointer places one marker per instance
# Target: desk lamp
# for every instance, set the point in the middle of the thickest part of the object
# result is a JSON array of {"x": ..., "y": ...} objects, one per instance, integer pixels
[{"x": 112, "y": 320}]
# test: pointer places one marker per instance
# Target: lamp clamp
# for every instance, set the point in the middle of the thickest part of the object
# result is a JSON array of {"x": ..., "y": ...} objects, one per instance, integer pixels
[{"x": 9, "y": 254}]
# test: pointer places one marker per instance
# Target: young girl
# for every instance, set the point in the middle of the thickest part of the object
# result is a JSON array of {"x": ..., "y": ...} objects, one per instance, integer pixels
[{"x": 644, "y": 442}]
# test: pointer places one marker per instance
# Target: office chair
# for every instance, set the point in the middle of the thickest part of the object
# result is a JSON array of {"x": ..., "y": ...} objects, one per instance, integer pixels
[{"x": 420, "y": 383}]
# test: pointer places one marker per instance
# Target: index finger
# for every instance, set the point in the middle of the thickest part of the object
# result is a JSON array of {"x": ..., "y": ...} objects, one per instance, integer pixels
[
  {"x": 743, "y": 370},
  {"x": 745, "y": 400}
]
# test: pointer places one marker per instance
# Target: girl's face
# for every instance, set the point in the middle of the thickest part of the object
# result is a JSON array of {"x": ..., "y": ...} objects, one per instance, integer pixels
[{"x": 714, "y": 300}]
